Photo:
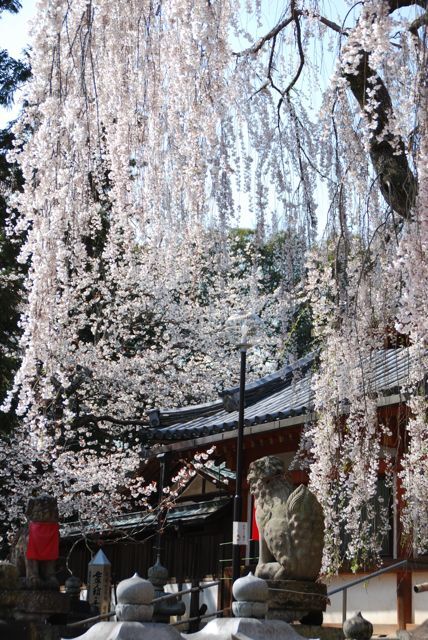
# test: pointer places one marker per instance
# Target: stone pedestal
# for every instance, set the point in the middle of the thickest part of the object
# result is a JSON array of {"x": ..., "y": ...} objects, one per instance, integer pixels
[
  {"x": 32, "y": 631},
  {"x": 296, "y": 600},
  {"x": 321, "y": 633},
  {"x": 134, "y": 600},
  {"x": 79, "y": 609},
  {"x": 8, "y": 600},
  {"x": 245, "y": 629},
  {"x": 32, "y": 604},
  {"x": 130, "y": 631},
  {"x": 9, "y": 576}
]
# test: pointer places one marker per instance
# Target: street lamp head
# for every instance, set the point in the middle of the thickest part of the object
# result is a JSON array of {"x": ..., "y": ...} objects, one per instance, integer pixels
[{"x": 247, "y": 323}]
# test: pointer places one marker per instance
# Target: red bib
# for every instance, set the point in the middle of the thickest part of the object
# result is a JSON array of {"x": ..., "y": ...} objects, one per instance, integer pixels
[{"x": 43, "y": 541}]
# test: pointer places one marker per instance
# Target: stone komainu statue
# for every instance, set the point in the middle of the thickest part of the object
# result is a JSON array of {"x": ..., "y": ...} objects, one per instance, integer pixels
[
  {"x": 290, "y": 523},
  {"x": 37, "y": 546}
]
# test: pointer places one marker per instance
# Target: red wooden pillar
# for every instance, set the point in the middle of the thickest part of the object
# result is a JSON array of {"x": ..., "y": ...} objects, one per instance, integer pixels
[
  {"x": 404, "y": 598},
  {"x": 404, "y": 577}
]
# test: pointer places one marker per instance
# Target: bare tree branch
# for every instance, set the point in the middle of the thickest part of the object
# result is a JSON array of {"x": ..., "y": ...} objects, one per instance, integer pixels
[
  {"x": 270, "y": 67},
  {"x": 271, "y": 34},
  {"x": 301, "y": 54},
  {"x": 255, "y": 48},
  {"x": 393, "y": 6},
  {"x": 397, "y": 183},
  {"x": 329, "y": 23}
]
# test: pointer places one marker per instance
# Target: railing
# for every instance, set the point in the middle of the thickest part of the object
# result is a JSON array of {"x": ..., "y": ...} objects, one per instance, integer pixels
[
  {"x": 102, "y": 616},
  {"x": 244, "y": 559},
  {"x": 344, "y": 588},
  {"x": 206, "y": 615},
  {"x": 167, "y": 596}
]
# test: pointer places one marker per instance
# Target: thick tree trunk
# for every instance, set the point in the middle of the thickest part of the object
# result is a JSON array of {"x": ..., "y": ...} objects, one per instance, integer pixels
[{"x": 396, "y": 180}]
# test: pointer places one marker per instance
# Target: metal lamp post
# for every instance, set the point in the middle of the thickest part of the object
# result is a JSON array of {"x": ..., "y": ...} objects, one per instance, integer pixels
[
  {"x": 247, "y": 323},
  {"x": 158, "y": 540},
  {"x": 239, "y": 528}
]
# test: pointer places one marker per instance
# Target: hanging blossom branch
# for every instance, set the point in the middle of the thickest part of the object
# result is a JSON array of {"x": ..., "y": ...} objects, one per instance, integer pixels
[
  {"x": 422, "y": 21},
  {"x": 412, "y": 264},
  {"x": 397, "y": 181},
  {"x": 346, "y": 460},
  {"x": 301, "y": 54},
  {"x": 132, "y": 271}
]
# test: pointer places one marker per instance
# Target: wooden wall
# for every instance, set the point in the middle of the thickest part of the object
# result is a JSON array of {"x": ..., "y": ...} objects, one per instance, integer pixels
[{"x": 189, "y": 552}]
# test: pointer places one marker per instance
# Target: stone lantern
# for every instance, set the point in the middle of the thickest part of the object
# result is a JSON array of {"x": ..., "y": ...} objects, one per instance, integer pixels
[
  {"x": 134, "y": 600},
  {"x": 251, "y": 597}
]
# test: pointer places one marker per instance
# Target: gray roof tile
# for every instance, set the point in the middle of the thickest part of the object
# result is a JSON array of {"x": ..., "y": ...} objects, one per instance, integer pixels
[{"x": 281, "y": 396}]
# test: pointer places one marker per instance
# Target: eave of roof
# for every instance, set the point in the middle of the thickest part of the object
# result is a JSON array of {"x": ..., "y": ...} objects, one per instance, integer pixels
[
  {"x": 254, "y": 392},
  {"x": 167, "y": 417},
  {"x": 186, "y": 513},
  {"x": 388, "y": 374}
]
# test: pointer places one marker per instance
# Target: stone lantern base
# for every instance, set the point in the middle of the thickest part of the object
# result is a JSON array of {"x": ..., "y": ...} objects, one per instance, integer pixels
[
  {"x": 131, "y": 631},
  {"x": 33, "y": 605}
]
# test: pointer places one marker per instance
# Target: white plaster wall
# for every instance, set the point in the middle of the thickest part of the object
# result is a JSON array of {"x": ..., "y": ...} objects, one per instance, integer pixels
[
  {"x": 210, "y": 598},
  {"x": 206, "y": 596},
  {"x": 420, "y": 600},
  {"x": 376, "y": 599},
  {"x": 173, "y": 588}
]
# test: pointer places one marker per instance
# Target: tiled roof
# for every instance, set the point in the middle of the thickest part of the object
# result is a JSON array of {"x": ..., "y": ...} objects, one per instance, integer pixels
[
  {"x": 167, "y": 417},
  {"x": 191, "y": 511},
  {"x": 219, "y": 473},
  {"x": 185, "y": 512},
  {"x": 269, "y": 384},
  {"x": 284, "y": 394}
]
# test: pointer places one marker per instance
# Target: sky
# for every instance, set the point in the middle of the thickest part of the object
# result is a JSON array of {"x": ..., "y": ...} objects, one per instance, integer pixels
[{"x": 14, "y": 36}]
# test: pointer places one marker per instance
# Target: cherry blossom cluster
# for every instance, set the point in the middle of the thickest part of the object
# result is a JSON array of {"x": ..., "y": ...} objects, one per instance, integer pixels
[
  {"x": 366, "y": 283},
  {"x": 412, "y": 265},
  {"x": 150, "y": 128}
]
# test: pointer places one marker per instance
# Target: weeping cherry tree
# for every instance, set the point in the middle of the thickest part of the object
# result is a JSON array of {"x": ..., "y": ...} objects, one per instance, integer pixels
[{"x": 150, "y": 128}]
